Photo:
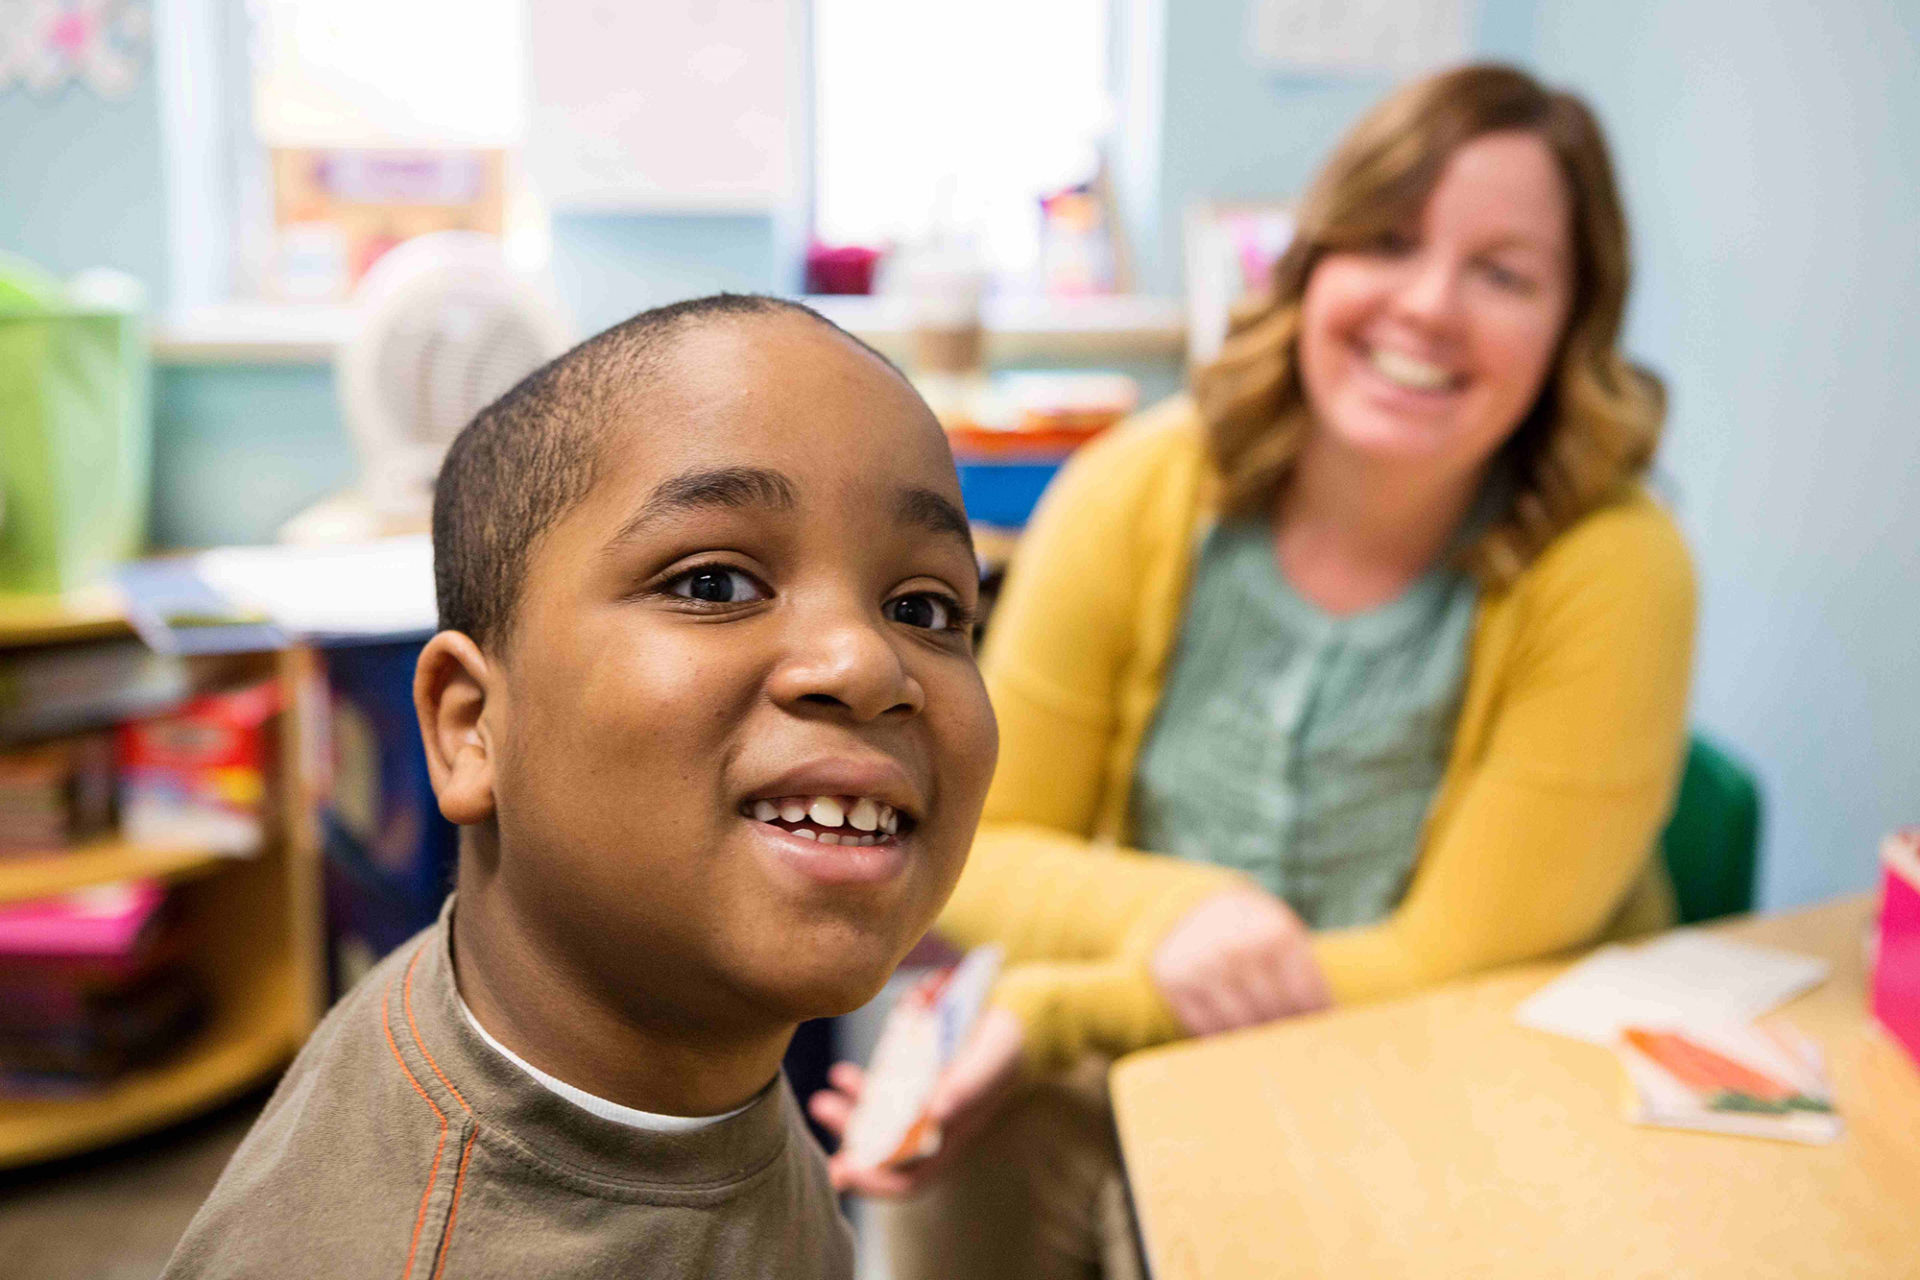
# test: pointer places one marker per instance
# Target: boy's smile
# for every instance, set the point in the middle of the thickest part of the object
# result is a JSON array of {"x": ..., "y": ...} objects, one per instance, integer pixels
[{"x": 739, "y": 743}]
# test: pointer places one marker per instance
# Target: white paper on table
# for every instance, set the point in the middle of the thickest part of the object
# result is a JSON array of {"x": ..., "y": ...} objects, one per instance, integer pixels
[
  {"x": 1680, "y": 980},
  {"x": 370, "y": 588}
]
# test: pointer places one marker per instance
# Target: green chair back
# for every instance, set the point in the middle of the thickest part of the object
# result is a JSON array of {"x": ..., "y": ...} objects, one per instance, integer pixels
[{"x": 1713, "y": 838}]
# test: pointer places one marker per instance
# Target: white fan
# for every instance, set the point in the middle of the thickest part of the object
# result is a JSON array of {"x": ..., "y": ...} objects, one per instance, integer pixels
[{"x": 442, "y": 326}]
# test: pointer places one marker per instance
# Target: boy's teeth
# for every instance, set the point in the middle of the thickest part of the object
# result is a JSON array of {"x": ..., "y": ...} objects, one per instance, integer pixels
[
  {"x": 1409, "y": 371},
  {"x": 862, "y": 814}
]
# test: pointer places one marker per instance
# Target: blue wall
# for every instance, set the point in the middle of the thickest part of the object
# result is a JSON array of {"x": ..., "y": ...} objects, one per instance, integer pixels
[
  {"x": 609, "y": 266},
  {"x": 238, "y": 449},
  {"x": 81, "y": 183},
  {"x": 1232, "y": 129},
  {"x": 1772, "y": 168}
]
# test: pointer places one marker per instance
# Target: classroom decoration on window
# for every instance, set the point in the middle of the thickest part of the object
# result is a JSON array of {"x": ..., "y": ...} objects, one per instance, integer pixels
[{"x": 47, "y": 44}]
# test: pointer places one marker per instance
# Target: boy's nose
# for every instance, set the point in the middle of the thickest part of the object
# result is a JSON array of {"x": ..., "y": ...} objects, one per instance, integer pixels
[{"x": 847, "y": 663}]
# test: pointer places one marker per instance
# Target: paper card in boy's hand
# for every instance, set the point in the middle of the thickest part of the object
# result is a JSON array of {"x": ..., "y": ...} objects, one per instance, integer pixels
[
  {"x": 1761, "y": 1082},
  {"x": 1684, "y": 977},
  {"x": 922, "y": 1034}
]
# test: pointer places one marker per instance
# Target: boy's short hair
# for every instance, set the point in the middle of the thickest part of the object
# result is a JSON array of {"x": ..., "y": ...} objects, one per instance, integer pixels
[{"x": 528, "y": 457}]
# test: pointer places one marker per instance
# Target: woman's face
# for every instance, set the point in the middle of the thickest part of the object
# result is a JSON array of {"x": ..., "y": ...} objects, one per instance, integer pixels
[{"x": 1432, "y": 346}]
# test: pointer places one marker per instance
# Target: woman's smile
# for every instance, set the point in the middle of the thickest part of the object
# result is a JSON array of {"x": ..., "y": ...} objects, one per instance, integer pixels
[{"x": 1408, "y": 372}]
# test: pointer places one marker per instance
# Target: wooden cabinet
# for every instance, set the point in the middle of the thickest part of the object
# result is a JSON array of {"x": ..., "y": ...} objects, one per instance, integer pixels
[{"x": 255, "y": 927}]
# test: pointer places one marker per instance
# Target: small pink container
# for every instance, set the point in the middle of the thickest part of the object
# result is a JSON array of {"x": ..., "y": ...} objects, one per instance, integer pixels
[{"x": 1896, "y": 970}]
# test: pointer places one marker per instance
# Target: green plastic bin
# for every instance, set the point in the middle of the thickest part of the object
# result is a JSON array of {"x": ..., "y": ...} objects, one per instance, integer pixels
[{"x": 76, "y": 433}]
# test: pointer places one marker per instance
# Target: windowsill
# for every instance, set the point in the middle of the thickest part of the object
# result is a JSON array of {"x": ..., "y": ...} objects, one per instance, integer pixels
[
  {"x": 253, "y": 333},
  {"x": 1077, "y": 330}
]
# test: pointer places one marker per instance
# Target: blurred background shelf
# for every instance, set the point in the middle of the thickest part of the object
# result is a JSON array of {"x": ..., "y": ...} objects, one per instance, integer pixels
[
  {"x": 93, "y": 614},
  {"x": 254, "y": 941},
  {"x": 99, "y": 862},
  {"x": 230, "y": 1056}
]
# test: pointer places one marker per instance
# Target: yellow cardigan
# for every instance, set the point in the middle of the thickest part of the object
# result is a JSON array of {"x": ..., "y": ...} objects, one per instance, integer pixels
[{"x": 1562, "y": 768}]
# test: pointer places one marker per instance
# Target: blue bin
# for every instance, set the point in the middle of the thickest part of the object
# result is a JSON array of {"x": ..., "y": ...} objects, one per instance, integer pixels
[
  {"x": 1004, "y": 492},
  {"x": 379, "y": 815}
]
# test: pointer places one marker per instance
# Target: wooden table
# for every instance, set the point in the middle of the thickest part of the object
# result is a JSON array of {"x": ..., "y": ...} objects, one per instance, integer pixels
[{"x": 1431, "y": 1136}]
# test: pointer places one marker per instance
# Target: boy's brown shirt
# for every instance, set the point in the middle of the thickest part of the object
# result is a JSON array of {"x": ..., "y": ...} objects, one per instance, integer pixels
[{"x": 401, "y": 1145}]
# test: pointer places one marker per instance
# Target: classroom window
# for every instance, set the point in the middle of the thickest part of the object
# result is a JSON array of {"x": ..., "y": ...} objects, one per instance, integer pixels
[
  {"x": 944, "y": 120},
  {"x": 374, "y": 121}
]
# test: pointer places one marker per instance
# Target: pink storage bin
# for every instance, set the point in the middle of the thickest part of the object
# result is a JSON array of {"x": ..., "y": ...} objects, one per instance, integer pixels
[{"x": 1896, "y": 970}]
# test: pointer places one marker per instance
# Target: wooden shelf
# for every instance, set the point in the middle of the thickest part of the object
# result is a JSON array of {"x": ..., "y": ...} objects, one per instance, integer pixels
[
  {"x": 256, "y": 940},
  {"x": 101, "y": 862},
  {"x": 224, "y": 1061},
  {"x": 93, "y": 614}
]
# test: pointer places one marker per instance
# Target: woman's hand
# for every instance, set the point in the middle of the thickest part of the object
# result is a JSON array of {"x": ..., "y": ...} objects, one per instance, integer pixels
[
  {"x": 1238, "y": 959},
  {"x": 974, "y": 1085}
]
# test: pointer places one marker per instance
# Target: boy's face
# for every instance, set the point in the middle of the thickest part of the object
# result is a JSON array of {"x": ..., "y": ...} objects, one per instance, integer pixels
[{"x": 763, "y": 601}]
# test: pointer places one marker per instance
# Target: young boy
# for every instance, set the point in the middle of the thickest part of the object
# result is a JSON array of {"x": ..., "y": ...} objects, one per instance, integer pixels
[{"x": 706, "y": 709}]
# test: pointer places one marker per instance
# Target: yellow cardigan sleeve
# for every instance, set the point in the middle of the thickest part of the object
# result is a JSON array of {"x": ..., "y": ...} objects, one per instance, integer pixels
[
  {"x": 1552, "y": 825},
  {"x": 1078, "y": 919}
]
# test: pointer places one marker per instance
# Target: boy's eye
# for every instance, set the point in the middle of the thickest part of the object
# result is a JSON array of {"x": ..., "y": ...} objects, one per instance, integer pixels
[
  {"x": 924, "y": 610},
  {"x": 716, "y": 585}
]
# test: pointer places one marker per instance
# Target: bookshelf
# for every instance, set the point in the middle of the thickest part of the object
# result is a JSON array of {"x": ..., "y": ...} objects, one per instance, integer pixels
[
  {"x": 82, "y": 615},
  {"x": 99, "y": 862},
  {"x": 254, "y": 927}
]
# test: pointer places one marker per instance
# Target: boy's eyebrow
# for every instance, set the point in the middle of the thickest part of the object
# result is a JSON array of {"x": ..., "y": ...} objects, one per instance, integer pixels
[
  {"x": 933, "y": 512},
  {"x": 717, "y": 487}
]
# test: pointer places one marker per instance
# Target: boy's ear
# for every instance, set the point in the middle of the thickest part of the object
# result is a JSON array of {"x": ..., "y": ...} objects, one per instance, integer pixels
[{"x": 451, "y": 687}]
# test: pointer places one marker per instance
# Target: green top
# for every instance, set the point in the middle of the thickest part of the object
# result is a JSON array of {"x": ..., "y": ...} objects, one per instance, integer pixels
[{"x": 1299, "y": 747}]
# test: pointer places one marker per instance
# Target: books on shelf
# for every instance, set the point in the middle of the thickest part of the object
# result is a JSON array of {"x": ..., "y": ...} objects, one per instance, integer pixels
[
  {"x": 56, "y": 795},
  {"x": 74, "y": 688},
  {"x": 92, "y": 985}
]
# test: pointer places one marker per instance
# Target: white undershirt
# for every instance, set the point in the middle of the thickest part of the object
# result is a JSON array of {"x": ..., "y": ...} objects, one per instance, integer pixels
[{"x": 632, "y": 1117}]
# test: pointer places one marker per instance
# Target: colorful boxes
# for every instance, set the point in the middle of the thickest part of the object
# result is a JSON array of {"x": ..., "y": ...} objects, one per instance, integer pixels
[
  {"x": 1896, "y": 969},
  {"x": 92, "y": 985},
  {"x": 198, "y": 778}
]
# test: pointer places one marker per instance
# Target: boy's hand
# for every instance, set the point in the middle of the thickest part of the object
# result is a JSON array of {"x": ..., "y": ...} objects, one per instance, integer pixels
[
  {"x": 1238, "y": 959},
  {"x": 972, "y": 1088}
]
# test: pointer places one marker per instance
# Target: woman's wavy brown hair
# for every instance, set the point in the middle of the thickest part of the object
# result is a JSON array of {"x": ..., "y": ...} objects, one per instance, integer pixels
[{"x": 1597, "y": 421}]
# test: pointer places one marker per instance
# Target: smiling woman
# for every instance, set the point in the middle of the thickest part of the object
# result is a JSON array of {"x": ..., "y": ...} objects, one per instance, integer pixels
[{"x": 1363, "y": 668}]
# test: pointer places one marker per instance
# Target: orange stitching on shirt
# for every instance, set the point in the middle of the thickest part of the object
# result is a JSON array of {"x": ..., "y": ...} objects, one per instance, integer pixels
[
  {"x": 406, "y": 1002},
  {"x": 459, "y": 1181},
  {"x": 433, "y": 1171}
]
